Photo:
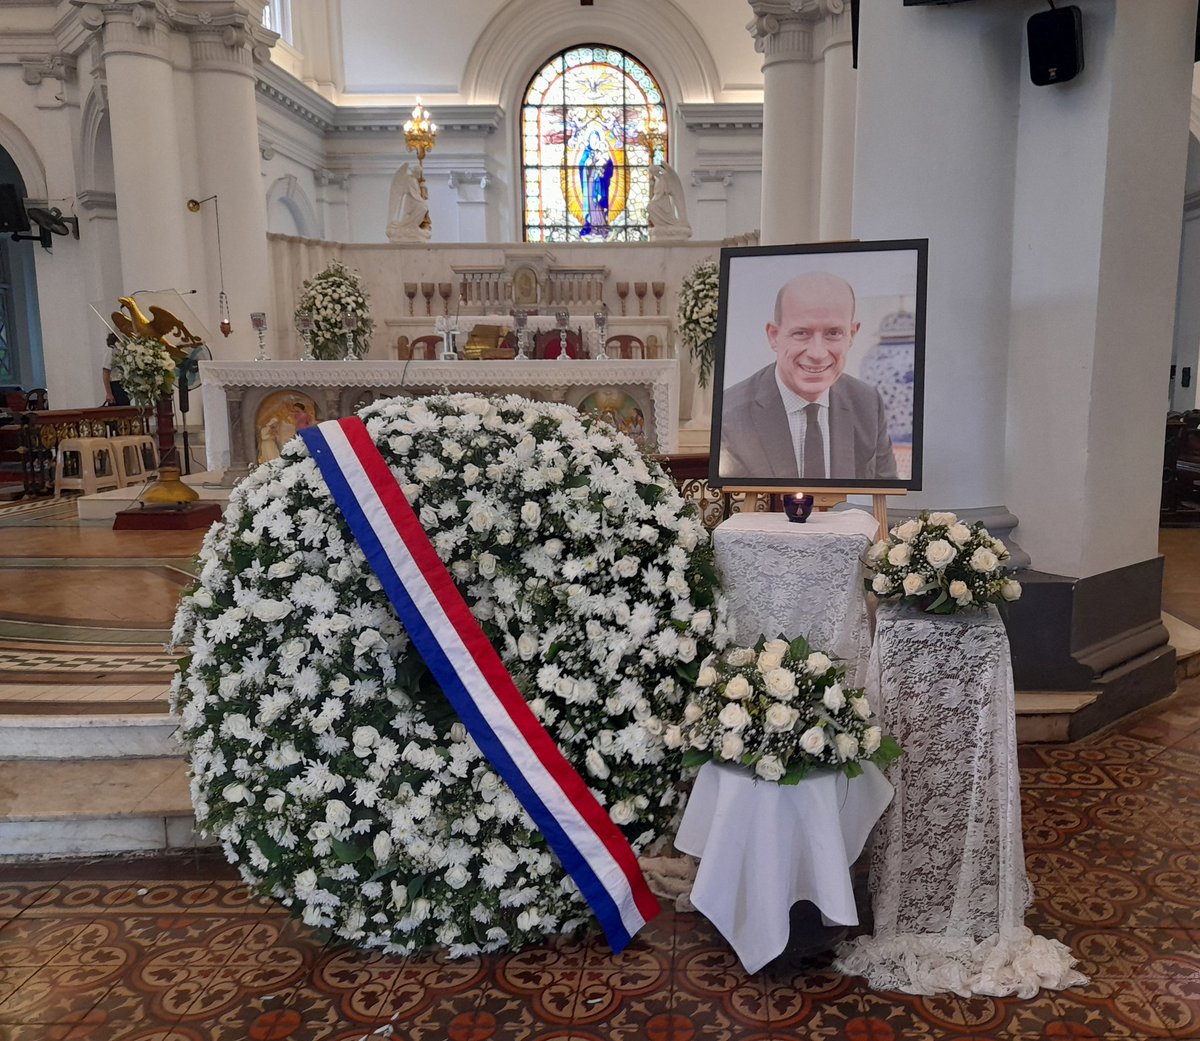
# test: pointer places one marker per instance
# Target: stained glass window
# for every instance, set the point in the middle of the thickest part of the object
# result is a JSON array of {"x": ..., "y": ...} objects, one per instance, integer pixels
[{"x": 592, "y": 125}]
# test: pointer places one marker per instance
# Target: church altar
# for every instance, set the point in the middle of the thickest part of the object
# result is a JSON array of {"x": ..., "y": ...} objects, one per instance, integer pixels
[
  {"x": 233, "y": 392},
  {"x": 654, "y": 330}
]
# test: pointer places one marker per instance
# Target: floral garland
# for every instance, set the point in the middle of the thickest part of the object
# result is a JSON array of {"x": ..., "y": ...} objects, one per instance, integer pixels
[
  {"x": 697, "y": 315},
  {"x": 324, "y": 757},
  {"x": 147, "y": 370},
  {"x": 779, "y": 708},
  {"x": 940, "y": 564},
  {"x": 334, "y": 292}
]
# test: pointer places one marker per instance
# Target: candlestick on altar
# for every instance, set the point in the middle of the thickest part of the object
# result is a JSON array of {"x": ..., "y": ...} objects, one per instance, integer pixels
[
  {"x": 562, "y": 317},
  {"x": 349, "y": 324},
  {"x": 258, "y": 321},
  {"x": 601, "y": 320},
  {"x": 521, "y": 320},
  {"x": 305, "y": 323}
]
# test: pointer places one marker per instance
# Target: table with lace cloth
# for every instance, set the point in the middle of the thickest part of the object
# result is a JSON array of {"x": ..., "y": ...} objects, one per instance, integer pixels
[
  {"x": 800, "y": 580},
  {"x": 948, "y": 881}
]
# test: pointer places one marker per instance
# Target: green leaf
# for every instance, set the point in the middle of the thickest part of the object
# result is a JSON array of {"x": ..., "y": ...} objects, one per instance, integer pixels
[
  {"x": 689, "y": 672},
  {"x": 696, "y": 757},
  {"x": 794, "y": 773},
  {"x": 852, "y": 769},
  {"x": 888, "y": 751},
  {"x": 553, "y": 652},
  {"x": 799, "y": 648},
  {"x": 416, "y": 886},
  {"x": 347, "y": 852}
]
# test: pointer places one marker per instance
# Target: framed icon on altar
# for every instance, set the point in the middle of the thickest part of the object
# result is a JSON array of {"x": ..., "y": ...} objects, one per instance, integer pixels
[
  {"x": 819, "y": 367},
  {"x": 280, "y": 416}
]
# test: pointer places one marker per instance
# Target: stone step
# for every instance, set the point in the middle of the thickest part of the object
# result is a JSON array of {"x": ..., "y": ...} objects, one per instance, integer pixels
[
  {"x": 67, "y": 808},
  {"x": 1044, "y": 716},
  {"x": 73, "y": 735}
]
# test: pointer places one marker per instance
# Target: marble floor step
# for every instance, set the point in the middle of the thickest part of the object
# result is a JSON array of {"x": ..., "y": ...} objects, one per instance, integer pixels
[
  {"x": 80, "y": 807},
  {"x": 88, "y": 735},
  {"x": 1044, "y": 716}
]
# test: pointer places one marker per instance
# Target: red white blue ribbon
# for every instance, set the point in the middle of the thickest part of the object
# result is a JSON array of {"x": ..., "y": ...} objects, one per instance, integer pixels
[{"x": 466, "y": 666}]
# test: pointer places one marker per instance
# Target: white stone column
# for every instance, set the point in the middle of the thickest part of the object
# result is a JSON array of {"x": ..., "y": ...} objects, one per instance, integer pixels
[
  {"x": 808, "y": 118},
  {"x": 223, "y": 52},
  {"x": 147, "y": 154}
]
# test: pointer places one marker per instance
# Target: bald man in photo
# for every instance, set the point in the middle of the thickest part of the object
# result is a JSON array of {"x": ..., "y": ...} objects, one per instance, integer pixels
[{"x": 801, "y": 416}]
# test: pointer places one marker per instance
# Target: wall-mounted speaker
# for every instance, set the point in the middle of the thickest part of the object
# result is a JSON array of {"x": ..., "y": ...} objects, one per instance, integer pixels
[
  {"x": 13, "y": 218},
  {"x": 1055, "y": 45}
]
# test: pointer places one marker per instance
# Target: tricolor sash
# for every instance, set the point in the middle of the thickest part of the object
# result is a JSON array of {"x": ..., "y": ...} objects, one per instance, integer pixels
[{"x": 466, "y": 666}]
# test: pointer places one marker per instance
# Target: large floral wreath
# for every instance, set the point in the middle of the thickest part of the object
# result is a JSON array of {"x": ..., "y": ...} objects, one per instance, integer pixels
[{"x": 324, "y": 757}]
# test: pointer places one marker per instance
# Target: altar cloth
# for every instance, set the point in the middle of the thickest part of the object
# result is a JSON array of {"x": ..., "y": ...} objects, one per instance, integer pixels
[{"x": 763, "y": 847}]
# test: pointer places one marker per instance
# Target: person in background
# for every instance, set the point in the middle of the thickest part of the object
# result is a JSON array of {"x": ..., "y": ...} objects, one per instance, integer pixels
[{"x": 114, "y": 393}]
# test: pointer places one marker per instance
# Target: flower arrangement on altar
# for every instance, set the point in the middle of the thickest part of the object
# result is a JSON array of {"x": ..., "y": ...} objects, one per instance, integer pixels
[
  {"x": 940, "y": 564},
  {"x": 779, "y": 709},
  {"x": 325, "y": 758},
  {"x": 148, "y": 370},
  {"x": 697, "y": 315},
  {"x": 327, "y": 297}
]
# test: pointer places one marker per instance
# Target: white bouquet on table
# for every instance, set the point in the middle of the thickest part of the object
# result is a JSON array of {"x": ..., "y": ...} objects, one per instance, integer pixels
[
  {"x": 779, "y": 709},
  {"x": 335, "y": 292},
  {"x": 697, "y": 315},
  {"x": 147, "y": 370},
  {"x": 940, "y": 564}
]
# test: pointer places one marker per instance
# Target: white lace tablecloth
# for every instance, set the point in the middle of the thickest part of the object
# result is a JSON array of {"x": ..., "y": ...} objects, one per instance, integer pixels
[
  {"x": 763, "y": 847},
  {"x": 948, "y": 879},
  {"x": 800, "y": 580}
]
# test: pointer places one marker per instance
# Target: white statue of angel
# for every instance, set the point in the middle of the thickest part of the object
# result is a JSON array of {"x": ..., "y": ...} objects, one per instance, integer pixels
[
  {"x": 668, "y": 212},
  {"x": 408, "y": 212}
]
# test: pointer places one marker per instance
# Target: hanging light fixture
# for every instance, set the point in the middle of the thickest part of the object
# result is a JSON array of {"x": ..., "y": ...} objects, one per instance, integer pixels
[{"x": 193, "y": 206}]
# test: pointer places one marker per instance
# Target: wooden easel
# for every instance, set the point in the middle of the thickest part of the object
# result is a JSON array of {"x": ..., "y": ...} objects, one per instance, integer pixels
[{"x": 827, "y": 498}]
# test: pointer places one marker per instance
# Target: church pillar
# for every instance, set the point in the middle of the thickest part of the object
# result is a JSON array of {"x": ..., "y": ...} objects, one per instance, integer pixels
[
  {"x": 808, "y": 118},
  {"x": 1053, "y": 215},
  {"x": 147, "y": 155},
  {"x": 223, "y": 53}
]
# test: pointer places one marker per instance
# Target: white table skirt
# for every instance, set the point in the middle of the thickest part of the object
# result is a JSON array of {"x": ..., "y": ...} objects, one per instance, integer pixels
[
  {"x": 800, "y": 580},
  {"x": 763, "y": 847},
  {"x": 948, "y": 881}
]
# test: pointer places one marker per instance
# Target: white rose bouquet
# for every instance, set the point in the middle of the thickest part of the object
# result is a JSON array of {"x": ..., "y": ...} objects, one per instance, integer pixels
[
  {"x": 779, "y": 709},
  {"x": 148, "y": 370},
  {"x": 697, "y": 315},
  {"x": 940, "y": 564},
  {"x": 329, "y": 295}
]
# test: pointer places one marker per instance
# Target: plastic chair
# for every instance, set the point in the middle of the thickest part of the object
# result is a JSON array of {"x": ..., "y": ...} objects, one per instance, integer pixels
[
  {"x": 87, "y": 465},
  {"x": 137, "y": 458}
]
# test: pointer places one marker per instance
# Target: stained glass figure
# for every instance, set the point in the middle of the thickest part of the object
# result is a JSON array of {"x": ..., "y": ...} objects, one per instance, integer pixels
[{"x": 592, "y": 124}]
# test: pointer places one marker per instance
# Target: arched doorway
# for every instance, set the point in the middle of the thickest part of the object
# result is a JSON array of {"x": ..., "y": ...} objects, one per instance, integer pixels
[{"x": 20, "y": 324}]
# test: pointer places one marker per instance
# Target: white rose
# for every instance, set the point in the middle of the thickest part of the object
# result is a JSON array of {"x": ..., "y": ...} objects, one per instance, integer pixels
[
  {"x": 1010, "y": 589},
  {"x": 364, "y": 737},
  {"x": 860, "y": 707},
  {"x": 734, "y": 717},
  {"x": 847, "y": 746},
  {"x": 596, "y": 765},
  {"x": 337, "y": 813},
  {"x": 939, "y": 553},
  {"x": 909, "y": 530},
  {"x": 960, "y": 534},
  {"x": 881, "y": 584},
  {"x": 271, "y": 610},
  {"x": 732, "y": 747},
  {"x": 623, "y": 812},
  {"x": 692, "y": 713},
  {"x": 707, "y": 677},
  {"x": 913, "y": 584},
  {"x": 960, "y": 592},
  {"x": 871, "y": 738},
  {"x": 202, "y": 598},
  {"x": 740, "y": 656},
  {"x": 701, "y": 622},
  {"x": 779, "y": 647},
  {"x": 737, "y": 688},
  {"x": 812, "y": 740},
  {"x": 527, "y": 646},
  {"x": 673, "y": 736},
  {"x": 876, "y": 553},
  {"x": 943, "y": 519},
  {"x": 834, "y": 697},
  {"x": 456, "y": 876},
  {"x": 781, "y": 683},
  {"x": 686, "y": 649},
  {"x": 382, "y": 847},
  {"x": 236, "y": 792},
  {"x": 900, "y": 555},
  {"x": 769, "y": 661},
  {"x": 769, "y": 768},
  {"x": 780, "y": 718},
  {"x": 531, "y": 514},
  {"x": 817, "y": 663},
  {"x": 487, "y": 565},
  {"x": 984, "y": 560}
]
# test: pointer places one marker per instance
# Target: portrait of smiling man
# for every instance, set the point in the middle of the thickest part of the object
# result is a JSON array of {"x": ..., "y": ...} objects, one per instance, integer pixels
[{"x": 802, "y": 416}]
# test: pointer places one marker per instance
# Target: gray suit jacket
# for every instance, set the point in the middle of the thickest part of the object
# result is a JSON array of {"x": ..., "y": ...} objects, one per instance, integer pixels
[{"x": 757, "y": 442}]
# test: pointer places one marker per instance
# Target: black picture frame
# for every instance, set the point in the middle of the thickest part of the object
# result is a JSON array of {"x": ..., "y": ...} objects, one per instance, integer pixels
[{"x": 890, "y": 294}]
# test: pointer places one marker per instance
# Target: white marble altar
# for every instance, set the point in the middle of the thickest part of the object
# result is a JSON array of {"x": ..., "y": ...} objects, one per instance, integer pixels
[{"x": 233, "y": 391}]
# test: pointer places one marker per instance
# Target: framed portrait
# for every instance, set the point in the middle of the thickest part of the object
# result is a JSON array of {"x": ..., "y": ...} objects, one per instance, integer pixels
[{"x": 819, "y": 372}]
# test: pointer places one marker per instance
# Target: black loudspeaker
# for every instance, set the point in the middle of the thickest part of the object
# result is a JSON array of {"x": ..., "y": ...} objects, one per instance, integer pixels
[
  {"x": 12, "y": 211},
  {"x": 1055, "y": 45}
]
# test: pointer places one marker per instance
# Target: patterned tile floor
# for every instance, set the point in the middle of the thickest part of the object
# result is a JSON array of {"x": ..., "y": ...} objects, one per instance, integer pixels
[{"x": 176, "y": 950}]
